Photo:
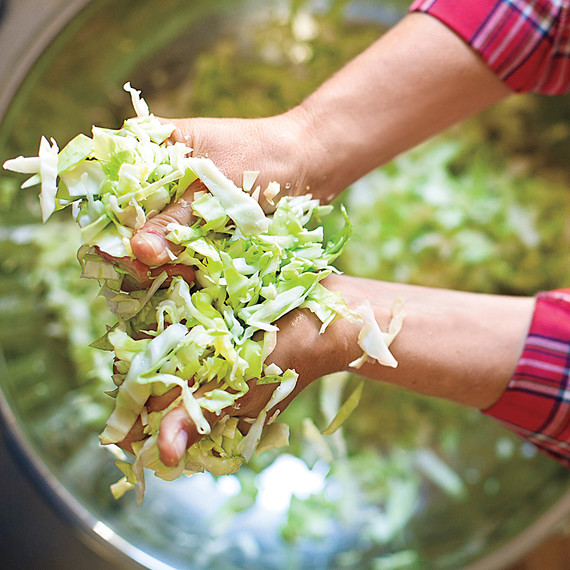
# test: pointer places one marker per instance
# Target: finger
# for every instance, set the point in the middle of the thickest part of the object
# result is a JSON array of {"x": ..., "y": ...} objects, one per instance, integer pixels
[
  {"x": 174, "y": 270},
  {"x": 154, "y": 404},
  {"x": 149, "y": 244},
  {"x": 137, "y": 275},
  {"x": 177, "y": 433}
]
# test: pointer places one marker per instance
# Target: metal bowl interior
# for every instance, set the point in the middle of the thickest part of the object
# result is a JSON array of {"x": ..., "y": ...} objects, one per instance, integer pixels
[{"x": 409, "y": 482}]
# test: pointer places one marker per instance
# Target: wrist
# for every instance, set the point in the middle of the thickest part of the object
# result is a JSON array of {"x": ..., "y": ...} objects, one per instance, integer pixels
[{"x": 317, "y": 152}]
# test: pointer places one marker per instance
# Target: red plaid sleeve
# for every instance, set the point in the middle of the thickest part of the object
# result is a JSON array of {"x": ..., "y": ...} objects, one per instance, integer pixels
[
  {"x": 536, "y": 404},
  {"x": 525, "y": 42}
]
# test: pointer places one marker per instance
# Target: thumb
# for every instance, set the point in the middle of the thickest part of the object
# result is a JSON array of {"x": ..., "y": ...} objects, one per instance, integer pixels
[
  {"x": 149, "y": 244},
  {"x": 178, "y": 432}
]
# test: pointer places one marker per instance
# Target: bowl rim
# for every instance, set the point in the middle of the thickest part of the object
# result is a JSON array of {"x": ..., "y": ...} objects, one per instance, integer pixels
[{"x": 95, "y": 533}]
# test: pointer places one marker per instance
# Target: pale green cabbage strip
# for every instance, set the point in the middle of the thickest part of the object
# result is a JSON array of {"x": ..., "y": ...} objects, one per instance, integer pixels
[{"x": 251, "y": 269}]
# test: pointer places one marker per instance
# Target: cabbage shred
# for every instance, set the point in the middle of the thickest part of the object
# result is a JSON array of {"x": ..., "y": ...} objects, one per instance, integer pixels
[{"x": 250, "y": 270}]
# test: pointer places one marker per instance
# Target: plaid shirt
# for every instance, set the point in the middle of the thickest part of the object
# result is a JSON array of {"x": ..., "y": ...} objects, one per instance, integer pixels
[
  {"x": 536, "y": 404},
  {"x": 525, "y": 42}
]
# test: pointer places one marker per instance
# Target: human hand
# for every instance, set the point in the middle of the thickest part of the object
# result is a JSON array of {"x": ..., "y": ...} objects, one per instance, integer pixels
[
  {"x": 269, "y": 146},
  {"x": 276, "y": 147},
  {"x": 317, "y": 355}
]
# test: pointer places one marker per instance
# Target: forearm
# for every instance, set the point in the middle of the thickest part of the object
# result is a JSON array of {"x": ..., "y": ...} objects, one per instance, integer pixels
[
  {"x": 414, "y": 82},
  {"x": 459, "y": 346}
]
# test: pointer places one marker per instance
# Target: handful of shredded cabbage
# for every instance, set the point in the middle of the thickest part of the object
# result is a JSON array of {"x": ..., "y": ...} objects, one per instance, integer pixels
[{"x": 250, "y": 270}]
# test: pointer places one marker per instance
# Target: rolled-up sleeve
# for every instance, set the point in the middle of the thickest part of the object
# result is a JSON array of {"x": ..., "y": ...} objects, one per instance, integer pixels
[
  {"x": 525, "y": 42},
  {"x": 536, "y": 404}
]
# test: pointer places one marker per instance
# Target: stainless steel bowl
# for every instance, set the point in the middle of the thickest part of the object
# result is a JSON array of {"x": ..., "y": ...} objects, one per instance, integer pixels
[{"x": 448, "y": 488}]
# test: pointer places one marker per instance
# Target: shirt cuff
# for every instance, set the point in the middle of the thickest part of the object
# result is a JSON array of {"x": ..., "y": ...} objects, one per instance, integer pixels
[{"x": 536, "y": 403}]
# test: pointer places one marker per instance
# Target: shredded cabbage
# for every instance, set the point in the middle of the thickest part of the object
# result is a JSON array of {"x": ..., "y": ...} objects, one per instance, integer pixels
[{"x": 250, "y": 269}]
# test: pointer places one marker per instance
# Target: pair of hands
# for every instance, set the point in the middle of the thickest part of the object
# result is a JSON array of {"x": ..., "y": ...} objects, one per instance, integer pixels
[
  {"x": 385, "y": 101},
  {"x": 271, "y": 149}
]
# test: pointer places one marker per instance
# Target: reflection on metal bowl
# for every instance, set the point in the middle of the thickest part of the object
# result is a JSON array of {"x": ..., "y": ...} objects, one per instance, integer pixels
[{"x": 409, "y": 482}]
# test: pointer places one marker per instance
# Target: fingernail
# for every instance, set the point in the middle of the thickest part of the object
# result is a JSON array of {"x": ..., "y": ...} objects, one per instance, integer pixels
[
  {"x": 179, "y": 443},
  {"x": 150, "y": 248},
  {"x": 153, "y": 241}
]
